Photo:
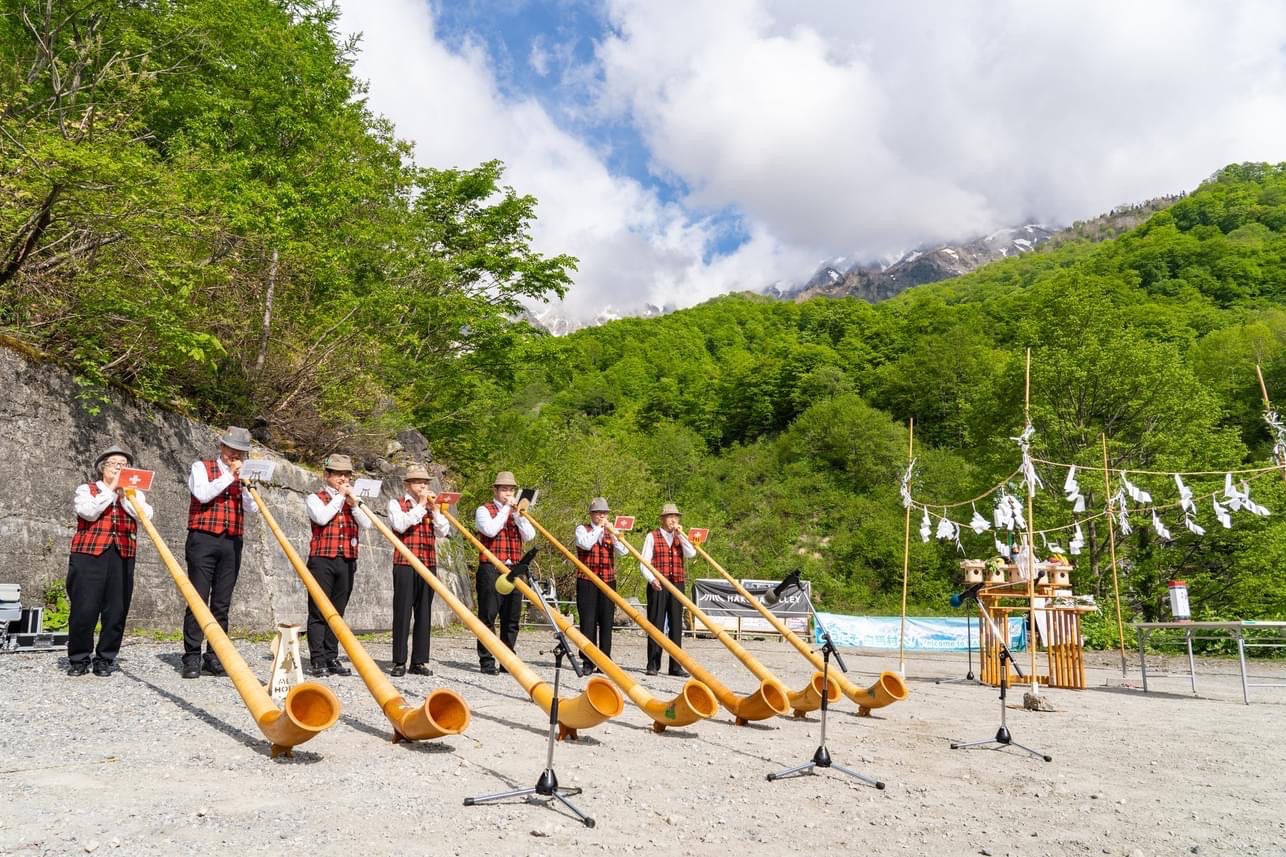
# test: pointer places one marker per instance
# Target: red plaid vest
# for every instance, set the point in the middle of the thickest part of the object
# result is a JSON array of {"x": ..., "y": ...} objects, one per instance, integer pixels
[
  {"x": 506, "y": 544},
  {"x": 419, "y": 538},
  {"x": 601, "y": 558},
  {"x": 223, "y": 514},
  {"x": 338, "y": 537},
  {"x": 113, "y": 527},
  {"x": 668, "y": 560}
]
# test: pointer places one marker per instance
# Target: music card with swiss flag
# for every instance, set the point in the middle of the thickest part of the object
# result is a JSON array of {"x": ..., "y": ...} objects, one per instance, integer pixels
[{"x": 132, "y": 477}]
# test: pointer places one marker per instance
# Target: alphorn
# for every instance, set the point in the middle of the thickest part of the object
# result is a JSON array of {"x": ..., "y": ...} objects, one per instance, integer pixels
[
  {"x": 770, "y": 700},
  {"x": 888, "y": 689},
  {"x": 599, "y": 701},
  {"x": 309, "y": 708},
  {"x": 696, "y": 701},
  {"x": 444, "y": 712}
]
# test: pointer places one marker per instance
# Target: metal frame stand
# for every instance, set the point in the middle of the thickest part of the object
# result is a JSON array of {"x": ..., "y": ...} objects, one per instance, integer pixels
[
  {"x": 1002, "y": 737},
  {"x": 822, "y": 757},
  {"x": 547, "y": 785}
]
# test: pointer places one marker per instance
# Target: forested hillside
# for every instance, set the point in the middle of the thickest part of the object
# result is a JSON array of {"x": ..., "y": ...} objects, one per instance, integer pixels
[
  {"x": 784, "y": 426},
  {"x": 196, "y": 204}
]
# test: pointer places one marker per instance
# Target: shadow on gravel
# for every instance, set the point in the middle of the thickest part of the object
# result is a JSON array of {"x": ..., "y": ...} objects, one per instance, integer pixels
[
  {"x": 260, "y": 745},
  {"x": 386, "y": 735},
  {"x": 1158, "y": 694}
]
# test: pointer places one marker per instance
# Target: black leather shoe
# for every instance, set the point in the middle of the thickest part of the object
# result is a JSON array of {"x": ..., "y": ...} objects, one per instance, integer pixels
[
  {"x": 317, "y": 670},
  {"x": 678, "y": 672},
  {"x": 213, "y": 668},
  {"x": 78, "y": 668},
  {"x": 501, "y": 669},
  {"x": 421, "y": 669},
  {"x": 191, "y": 670},
  {"x": 102, "y": 669},
  {"x": 398, "y": 670},
  {"x": 588, "y": 669},
  {"x": 336, "y": 668},
  {"x": 490, "y": 670},
  {"x": 652, "y": 671}
]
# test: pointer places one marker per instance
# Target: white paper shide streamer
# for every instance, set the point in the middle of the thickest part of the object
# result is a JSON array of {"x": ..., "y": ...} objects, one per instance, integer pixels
[
  {"x": 1072, "y": 490},
  {"x": 926, "y": 527}
]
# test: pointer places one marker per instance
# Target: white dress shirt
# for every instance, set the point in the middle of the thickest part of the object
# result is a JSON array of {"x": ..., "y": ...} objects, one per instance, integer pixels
[
  {"x": 403, "y": 521},
  {"x": 91, "y": 507},
  {"x": 320, "y": 513},
  {"x": 204, "y": 490},
  {"x": 489, "y": 526},
  {"x": 587, "y": 537},
  {"x": 688, "y": 550}
]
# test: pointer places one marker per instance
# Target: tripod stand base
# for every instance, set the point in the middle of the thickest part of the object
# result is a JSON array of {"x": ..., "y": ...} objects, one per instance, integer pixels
[
  {"x": 546, "y": 787},
  {"x": 1002, "y": 739},
  {"x": 822, "y": 759}
]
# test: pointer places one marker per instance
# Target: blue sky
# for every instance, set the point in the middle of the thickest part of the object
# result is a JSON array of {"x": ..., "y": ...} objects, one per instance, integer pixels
[{"x": 682, "y": 149}]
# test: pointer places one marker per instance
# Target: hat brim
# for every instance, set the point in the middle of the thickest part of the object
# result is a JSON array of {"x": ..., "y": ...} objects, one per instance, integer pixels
[
  {"x": 233, "y": 443},
  {"x": 106, "y": 455}
]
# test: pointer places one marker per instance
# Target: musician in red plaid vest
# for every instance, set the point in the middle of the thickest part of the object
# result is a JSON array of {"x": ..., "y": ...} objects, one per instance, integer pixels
[
  {"x": 100, "y": 569},
  {"x": 503, "y": 533},
  {"x": 418, "y": 523},
  {"x": 216, "y": 526},
  {"x": 667, "y": 549},
  {"x": 332, "y": 557},
  {"x": 596, "y": 548}
]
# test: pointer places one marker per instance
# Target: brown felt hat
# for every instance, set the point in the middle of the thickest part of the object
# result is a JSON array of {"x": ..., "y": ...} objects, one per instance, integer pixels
[
  {"x": 503, "y": 478},
  {"x": 237, "y": 438},
  {"x": 669, "y": 509},
  {"x": 416, "y": 471},
  {"x": 114, "y": 449},
  {"x": 337, "y": 463}
]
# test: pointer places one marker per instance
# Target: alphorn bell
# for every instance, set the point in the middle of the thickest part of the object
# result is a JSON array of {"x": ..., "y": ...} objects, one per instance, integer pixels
[
  {"x": 888, "y": 689},
  {"x": 309, "y": 708},
  {"x": 599, "y": 701},
  {"x": 444, "y": 712},
  {"x": 696, "y": 701}
]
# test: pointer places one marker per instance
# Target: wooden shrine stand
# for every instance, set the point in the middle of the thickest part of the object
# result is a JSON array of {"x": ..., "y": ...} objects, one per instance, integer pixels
[{"x": 1004, "y": 593}]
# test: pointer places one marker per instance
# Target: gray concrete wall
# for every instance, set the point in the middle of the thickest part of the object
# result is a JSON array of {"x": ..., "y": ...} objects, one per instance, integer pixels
[{"x": 49, "y": 435}]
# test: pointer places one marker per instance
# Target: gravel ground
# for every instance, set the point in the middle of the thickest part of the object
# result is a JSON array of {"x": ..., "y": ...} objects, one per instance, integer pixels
[{"x": 146, "y": 763}]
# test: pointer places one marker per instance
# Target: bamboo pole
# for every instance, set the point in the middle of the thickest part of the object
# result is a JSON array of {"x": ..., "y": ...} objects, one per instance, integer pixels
[
  {"x": 1031, "y": 538},
  {"x": 906, "y": 551},
  {"x": 1268, "y": 406},
  {"x": 1111, "y": 546}
]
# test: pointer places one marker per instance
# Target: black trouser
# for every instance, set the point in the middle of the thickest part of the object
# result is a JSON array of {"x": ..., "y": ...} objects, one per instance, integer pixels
[
  {"x": 213, "y": 565},
  {"x": 411, "y": 595},
  {"x": 596, "y": 614},
  {"x": 98, "y": 588},
  {"x": 334, "y": 575},
  {"x": 661, "y": 605},
  {"x": 493, "y": 605}
]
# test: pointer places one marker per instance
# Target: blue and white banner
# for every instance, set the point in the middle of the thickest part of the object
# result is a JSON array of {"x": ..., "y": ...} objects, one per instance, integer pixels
[{"x": 925, "y": 634}]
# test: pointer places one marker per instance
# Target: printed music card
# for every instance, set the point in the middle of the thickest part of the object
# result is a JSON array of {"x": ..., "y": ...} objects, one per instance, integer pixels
[
  {"x": 699, "y": 535},
  {"x": 624, "y": 523},
  {"x": 132, "y": 477},
  {"x": 447, "y": 498},
  {"x": 367, "y": 488},
  {"x": 257, "y": 470}
]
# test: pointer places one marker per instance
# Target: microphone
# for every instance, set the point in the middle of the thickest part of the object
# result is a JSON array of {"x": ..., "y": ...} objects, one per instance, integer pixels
[
  {"x": 959, "y": 598},
  {"x": 504, "y": 582},
  {"x": 772, "y": 596}
]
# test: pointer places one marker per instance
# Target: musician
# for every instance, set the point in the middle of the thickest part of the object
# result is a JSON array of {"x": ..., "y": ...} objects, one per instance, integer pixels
[
  {"x": 216, "y": 527},
  {"x": 667, "y": 549},
  {"x": 100, "y": 568},
  {"x": 503, "y": 532},
  {"x": 419, "y": 524},
  {"x": 332, "y": 557},
  {"x": 596, "y": 548}
]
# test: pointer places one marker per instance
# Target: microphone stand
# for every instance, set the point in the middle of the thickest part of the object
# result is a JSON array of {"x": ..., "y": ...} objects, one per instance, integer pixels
[
  {"x": 1002, "y": 737},
  {"x": 969, "y": 677},
  {"x": 547, "y": 785},
  {"x": 822, "y": 757}
]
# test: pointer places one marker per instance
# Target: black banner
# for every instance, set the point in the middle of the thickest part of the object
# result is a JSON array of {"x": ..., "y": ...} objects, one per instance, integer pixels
[{"x": 720, "y": 601}]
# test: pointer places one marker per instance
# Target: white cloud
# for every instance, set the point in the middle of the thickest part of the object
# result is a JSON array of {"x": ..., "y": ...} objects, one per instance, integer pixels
[{"x": 838, "y": 127}]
